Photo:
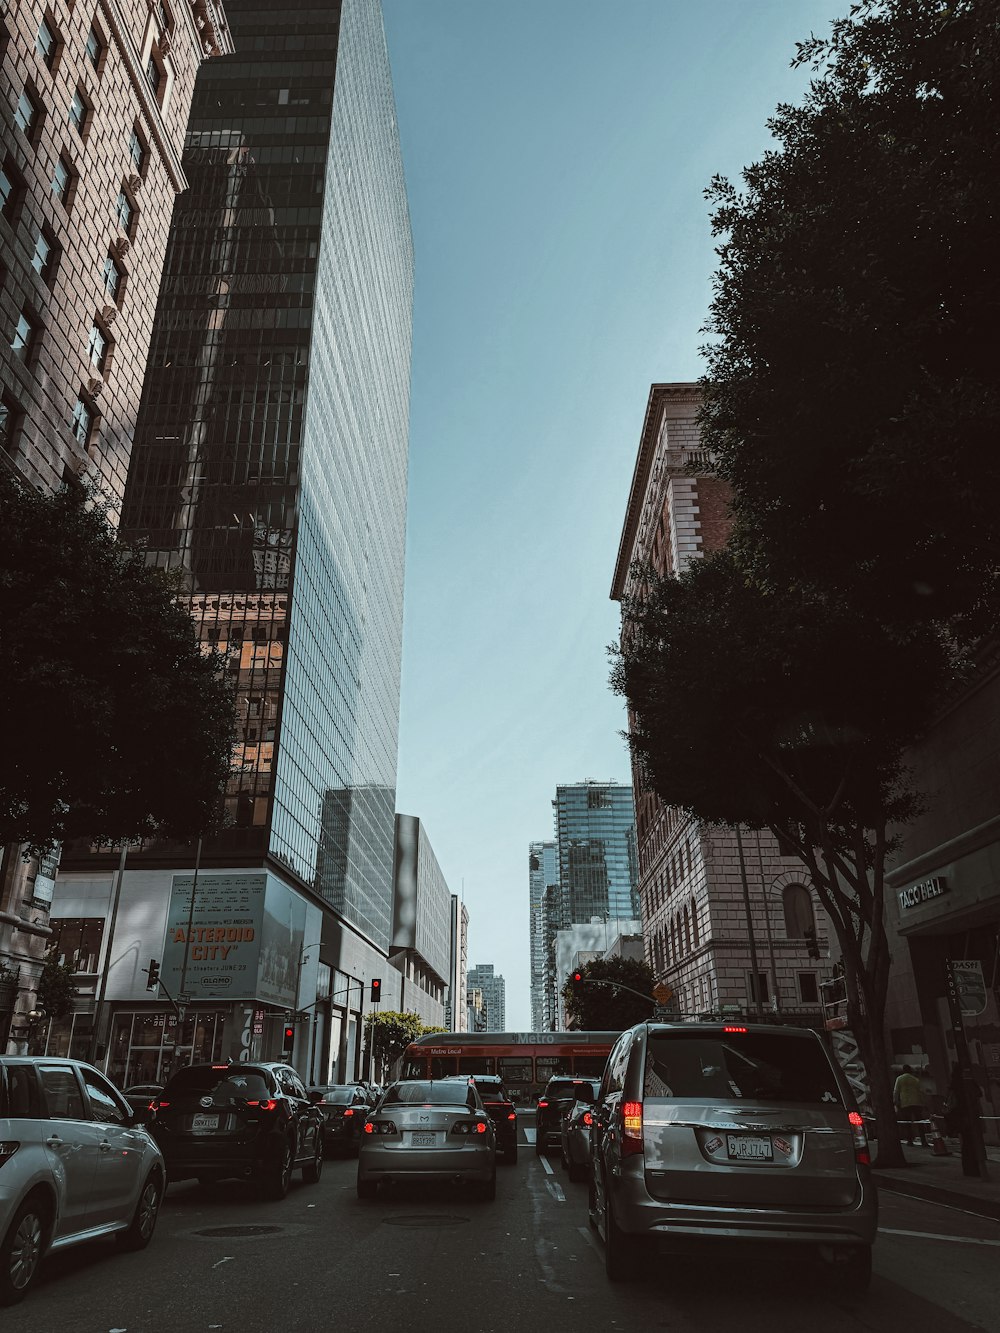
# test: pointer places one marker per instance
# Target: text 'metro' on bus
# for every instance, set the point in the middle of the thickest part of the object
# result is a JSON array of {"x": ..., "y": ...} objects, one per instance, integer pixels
[{"x": 524, "y": 1060}]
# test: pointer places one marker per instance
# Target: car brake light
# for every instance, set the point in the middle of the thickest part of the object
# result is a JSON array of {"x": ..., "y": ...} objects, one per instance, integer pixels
[
  {"x": 349, "y": 1111},
  {"x": 631, "y": 1128},
  {"x": 369, "y": 1128},
  {"x": 158, "y": 1106},
  {"x": 512, "y": 1116},
  {"x": 220, "y": 1066},
  {"x": 541, "y": 1104},
  {"x": 730, "y": 1029},
  {"x": 480, "y": 1128},
  {"x": 861, "y": 1154},
  {"x": 264, "y": 1105},
  {"x": 7, "y": 1150},
  {"x": 588, "y": 1119}
]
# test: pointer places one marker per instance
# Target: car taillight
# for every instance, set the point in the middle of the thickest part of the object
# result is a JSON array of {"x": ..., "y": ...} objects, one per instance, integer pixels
[
  {"x": 861, "y": 1154},
  {"x": 7, "y": 1150},
  {"x": 379, "y": 1127},
  {"x": 480, "y": 1128},
  {"x": 349, "y": 1111},
  {"x": 264, "y": 1105},
  {"x": 512, "y": 1116},
  {"x": 542, "y": 1104},
  {"x": 631, "y": 1128},
  {"x": 159, "y": 1106},
  {"x": 731, "y": 1029},
  {"x": 587, "y": 1118}
]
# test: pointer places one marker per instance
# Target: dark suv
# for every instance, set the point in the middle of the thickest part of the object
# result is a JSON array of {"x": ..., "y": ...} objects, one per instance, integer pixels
[
  {"x": 561, "y": 1091},
  {"x": 500, "y": 1109},
  {"x": 249, "y": 1121}
]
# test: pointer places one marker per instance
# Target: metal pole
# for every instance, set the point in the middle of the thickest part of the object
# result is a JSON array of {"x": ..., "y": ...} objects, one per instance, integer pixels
[
  {"x": 755, "y": 988},
  {"x": 102, "y": 991},
  {"x": 767, "y": 925},
  {"x": 190, "y": 925}
]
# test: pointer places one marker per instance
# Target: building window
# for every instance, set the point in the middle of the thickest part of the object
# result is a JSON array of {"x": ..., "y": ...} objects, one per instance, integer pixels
[
  {"x": 46, "y": 255},
  {"x": 797, "y": 903},
  {"x": 62, "y": 182},
  {"x": 138, "y": 151},
  {"x": 23, "y": 341},
  {"x": 9, "y": 417},
  {"x": 78, "y": 112},
  {"x": 28, "y": 116},
  {"x": 154, "y": 73},
  {"x": 126, "y": 213},
  {"x": 95, "y": 48},
  {"x": 83, "y": 422},
  {"x": 112, "y": 279},
  {"x": 47, "y": 43},
  {"x": 808, "y": 988},
  {"x": 760, "y": 991},
  {"x": 97, "y": 346},
  {"x": 10, "y": 191}
]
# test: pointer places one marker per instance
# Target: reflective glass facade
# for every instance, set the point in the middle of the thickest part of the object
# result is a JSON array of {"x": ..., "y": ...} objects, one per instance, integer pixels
[
  {"x": 271, "y": 450},
  {"x": 598, "y": 865}
]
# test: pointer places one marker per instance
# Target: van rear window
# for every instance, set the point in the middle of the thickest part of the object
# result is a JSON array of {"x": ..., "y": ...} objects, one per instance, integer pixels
[
  {"x": 758, "y": 1066},
  {"x": 200, "y": 1080}
]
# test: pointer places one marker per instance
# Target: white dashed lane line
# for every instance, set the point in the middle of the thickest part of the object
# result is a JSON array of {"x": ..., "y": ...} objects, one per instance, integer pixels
[{"x": 933, "y": 1235}]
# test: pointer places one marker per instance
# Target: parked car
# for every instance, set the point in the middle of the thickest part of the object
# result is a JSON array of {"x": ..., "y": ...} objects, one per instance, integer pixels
[
  {"x": 345, "y": 1108},
  {"x": 740, "y": 1132},
  {"x": 247, "y": 1121},
  {"x": 500, "y": 1108},
  {"x": 425, "y": 1130},
  {"x": 75, "y": 1164},
  {"x": 139, "y": 1095},
  {"x": 559, "y": 1095},
  {"x": 574, "y": 1130}
]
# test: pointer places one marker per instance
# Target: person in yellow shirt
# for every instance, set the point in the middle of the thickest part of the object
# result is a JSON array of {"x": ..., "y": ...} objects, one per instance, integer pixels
[{"x": 908, "y": 1099}]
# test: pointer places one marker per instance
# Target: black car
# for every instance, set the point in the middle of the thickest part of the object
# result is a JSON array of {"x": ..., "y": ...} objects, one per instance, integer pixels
[
  {"x": 500, "y": 1109},
  {"x": 345, "y": 1108},
  {"x": 139, "y": 1095},
  {"x": 248, "y": 1121},
  {"x": 560, "y": 1093}
]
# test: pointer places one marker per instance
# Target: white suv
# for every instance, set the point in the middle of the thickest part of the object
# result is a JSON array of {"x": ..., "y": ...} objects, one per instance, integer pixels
[{"x": 75, "y": 1164}]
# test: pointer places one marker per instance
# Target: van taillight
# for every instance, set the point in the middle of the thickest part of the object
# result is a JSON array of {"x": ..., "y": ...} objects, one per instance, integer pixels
[
  {"x": 588, "y": 1119},
  {"x": 631, "y": 1128},
  {"x": 264, "y": 1105},
  {"x": 861, "y": 1154}
]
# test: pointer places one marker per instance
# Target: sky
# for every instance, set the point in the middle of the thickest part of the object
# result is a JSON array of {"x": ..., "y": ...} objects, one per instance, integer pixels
[{"x": 556, "y": 156}]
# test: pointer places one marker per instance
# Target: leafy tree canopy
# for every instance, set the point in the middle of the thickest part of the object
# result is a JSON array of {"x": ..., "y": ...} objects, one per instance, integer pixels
[
  {"x": 56, "y": 990},
  {"x": 603, "y": 1007},
  {"x": 851, "y": 392},
  {"x": 390, "y": 1032},
  {"x": 119, "y": 725}
]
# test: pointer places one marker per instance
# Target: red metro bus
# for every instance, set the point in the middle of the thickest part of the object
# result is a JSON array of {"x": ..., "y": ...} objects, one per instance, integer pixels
[{"x": 524, "y": 1060}]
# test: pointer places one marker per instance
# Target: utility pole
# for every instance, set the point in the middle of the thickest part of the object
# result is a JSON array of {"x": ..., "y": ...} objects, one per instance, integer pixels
[{"x": 102, "y": 991}]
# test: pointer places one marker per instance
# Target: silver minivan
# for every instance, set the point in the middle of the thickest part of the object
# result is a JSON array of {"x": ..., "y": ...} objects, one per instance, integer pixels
[{"x": 731, "y": 1132}]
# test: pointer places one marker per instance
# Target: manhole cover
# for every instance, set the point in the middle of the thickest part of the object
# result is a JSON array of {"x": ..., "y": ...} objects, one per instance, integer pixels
[
  {"x": 239, "y": 1231},
  {"x": 425, "y": 1220}
]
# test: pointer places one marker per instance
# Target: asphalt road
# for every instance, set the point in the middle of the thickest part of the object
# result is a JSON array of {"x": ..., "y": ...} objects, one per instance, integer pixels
[{"x": 437, "y": 1260}]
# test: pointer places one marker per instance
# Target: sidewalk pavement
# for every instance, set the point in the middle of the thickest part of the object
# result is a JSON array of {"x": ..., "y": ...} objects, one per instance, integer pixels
[{"x": 940, "y": 1179}]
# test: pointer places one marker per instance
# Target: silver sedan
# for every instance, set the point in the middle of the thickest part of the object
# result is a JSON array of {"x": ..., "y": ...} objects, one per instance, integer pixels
[{"x": 426, "y": 1130}]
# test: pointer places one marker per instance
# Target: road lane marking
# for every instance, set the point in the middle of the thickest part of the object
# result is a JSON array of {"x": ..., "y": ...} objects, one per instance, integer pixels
[
  {"x": 529, "y": 1134},
  {"x": 227, "y": 1260},
  {"x": 934, "y": 1235},
  {"x": 545, "y": 1163},
  {"x": 556, "y": 1190}
]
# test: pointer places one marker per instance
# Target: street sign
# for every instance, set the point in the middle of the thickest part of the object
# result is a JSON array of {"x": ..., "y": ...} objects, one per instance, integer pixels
[
  {"x": 970, "y": 985},
  {"x": 183, "y": 998},
  {"x": 662, "y": 993}
]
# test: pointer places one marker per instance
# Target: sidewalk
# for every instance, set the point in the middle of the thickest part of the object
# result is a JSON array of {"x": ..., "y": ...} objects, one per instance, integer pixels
[{"x": 940, "y": 1180}]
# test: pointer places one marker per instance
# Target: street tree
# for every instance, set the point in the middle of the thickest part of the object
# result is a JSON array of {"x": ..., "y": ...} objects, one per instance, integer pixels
[
  {"x": 56, "y": 989},
  {"x": 611, "y": 994},
  {"x": 390, "y": 1032},
  {"x": 787, "y": 710},
  {"x": 851, "y": 394},
  {"x": 119, "y": 725}
]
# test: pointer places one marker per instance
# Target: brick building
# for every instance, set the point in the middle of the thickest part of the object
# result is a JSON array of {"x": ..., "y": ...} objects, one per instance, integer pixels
[
  {"x": 695, "y": 920},
  {"x": 94, "y": 102}
]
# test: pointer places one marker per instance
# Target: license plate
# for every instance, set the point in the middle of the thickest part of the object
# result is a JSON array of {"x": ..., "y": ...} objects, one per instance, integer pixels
[
  {"x": 424, "y": 1140},
  {"x": 202, "y": 1124},
  {"x": 749, "y": 1148}
]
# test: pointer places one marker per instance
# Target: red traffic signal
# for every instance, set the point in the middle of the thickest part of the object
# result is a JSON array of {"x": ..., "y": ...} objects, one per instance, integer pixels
[
  {"x": 376, "y": 991},
  {"x": 577, "y": 976},
  {"x": 288, "y": 1039}
]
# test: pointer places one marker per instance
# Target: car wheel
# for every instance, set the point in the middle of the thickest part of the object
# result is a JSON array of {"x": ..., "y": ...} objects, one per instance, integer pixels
[
  {"x": 619, "y": 1257},
  {"x": 367, "y": 1189},
  {"x": 312, "y": 1171},
  {"x": 279, "y": 1177},
  {"x": 143, "y": 1224},
  {"x": 22, "y": 1249}
]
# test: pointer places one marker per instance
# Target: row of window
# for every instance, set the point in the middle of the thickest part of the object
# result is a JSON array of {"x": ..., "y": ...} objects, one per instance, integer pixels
[{"x": 671, "y": 876}]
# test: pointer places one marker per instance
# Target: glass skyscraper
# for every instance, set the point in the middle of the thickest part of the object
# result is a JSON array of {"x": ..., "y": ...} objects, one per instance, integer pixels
[
  {"x": 270, "y": 458},
  {"x": 598, "y": 863}
]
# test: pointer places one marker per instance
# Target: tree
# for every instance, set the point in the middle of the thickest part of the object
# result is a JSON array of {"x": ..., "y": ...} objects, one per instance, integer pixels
[
  {"x": 121, "y": 726},
  {"x": 56, "y": 991},
  {"x": 594, "y": 1005},
  {"x": 389, "y": 1034},
  {"x": 786, "y": 709},
  {"x": 851, "y": 394}
]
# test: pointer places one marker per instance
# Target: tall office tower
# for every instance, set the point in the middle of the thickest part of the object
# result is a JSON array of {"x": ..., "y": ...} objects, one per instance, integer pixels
[
  {"x": 598, "y": 865},
  {"x": 699, "y": 934},
  {"x": 421, "y": 923},
  {"x": 456, "y": 1007},
  {"x": 270, "y": 468},
  {"x": 543, "y": 870},
  {"x": 482, "y": 977},
  {"x": 94, "y": 101}
]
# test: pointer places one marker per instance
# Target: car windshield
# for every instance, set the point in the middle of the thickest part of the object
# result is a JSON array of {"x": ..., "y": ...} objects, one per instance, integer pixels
[
  {"x": 199, "y": 1081},
  {"x": 338, "y": 1096},
  {"x": 762, "y": 1066},
  {"x": 429, "y": 1094}
]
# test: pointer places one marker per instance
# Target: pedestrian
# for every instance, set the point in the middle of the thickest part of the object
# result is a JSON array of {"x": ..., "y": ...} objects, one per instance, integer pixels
[
  {"x": 908, "y": 1099},
  {"x": 958, "y": 1119}
]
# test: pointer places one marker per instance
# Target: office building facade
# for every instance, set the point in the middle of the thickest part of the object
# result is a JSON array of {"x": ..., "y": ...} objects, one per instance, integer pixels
[
  {"x": 456, "y": 1004},
  {"x": 484, "y": 978},
  {"x": 420, "y": 948},
  {"x": 270, "y": 464},
  {"x": 543, "y": 870}
]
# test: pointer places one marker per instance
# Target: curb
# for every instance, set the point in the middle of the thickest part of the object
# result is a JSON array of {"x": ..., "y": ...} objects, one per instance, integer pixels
[{"x": 918, "y": 1189}]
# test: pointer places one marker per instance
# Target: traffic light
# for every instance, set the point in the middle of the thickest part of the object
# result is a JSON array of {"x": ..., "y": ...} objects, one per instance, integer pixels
[
  {"x": 153, "y": 974},
  {"x": 376, "y": 991},
  {"x": 812, "y": 944},
  {"x": 288, "y": 1039},
  {"x": 577, "y": 976}
]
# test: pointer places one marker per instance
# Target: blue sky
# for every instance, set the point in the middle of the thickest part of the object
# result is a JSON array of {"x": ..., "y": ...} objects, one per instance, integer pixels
[{"x": 556, "y": 153}]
